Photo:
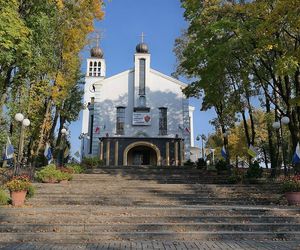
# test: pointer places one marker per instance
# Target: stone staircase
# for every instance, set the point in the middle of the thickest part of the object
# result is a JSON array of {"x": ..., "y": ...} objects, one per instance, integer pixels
[{"x": 138, "y": 204}]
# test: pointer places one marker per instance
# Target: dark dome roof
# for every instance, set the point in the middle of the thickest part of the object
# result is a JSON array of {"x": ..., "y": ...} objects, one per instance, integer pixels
[
  {"x": 142, "y": 48},
  {"x": 96, "y": 52}
]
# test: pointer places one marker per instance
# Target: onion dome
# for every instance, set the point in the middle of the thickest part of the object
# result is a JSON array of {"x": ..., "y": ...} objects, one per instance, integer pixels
[
  {"x": 142, "y": 48},
  {"x": 96, "y": 52}
]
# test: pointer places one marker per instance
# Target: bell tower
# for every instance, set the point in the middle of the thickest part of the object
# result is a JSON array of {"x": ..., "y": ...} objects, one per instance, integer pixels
[
  {"x": 95, "y": 73},
  {"x": 141, "y": 73}
]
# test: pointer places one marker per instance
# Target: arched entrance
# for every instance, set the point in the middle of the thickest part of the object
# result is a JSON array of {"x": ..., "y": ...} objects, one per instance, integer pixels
[{"x": 141, "y": 153}]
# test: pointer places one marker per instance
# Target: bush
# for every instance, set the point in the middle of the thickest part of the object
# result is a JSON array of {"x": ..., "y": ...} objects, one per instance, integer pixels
[
  {"x": 235, "y": 177},
  {"x": 189, "y": 163},
  {"x": 4, "y": 198},
  {"x": 65, "y": 176},
  {"x": 49, "y": 173},
  {"x": 30, "y": 192},
  {"x": 221, "y": 165},
  {"x": 291, "y": 184},
  {"x": 201, "y": 163},
  {"x": 254, "y": 171},
  {"x": 78, "y": 169},
  {"x": 92, "y": 162},
  {"x": 18, "y": 183}
]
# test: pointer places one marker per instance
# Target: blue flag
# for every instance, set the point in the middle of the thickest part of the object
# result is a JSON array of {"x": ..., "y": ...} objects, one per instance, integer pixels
[
  {"x": 224, "y": 153},
  {"x": 296, "y": 156},
  {"x": 9, "y": 150},
  {"x": 48, "y": 153}
]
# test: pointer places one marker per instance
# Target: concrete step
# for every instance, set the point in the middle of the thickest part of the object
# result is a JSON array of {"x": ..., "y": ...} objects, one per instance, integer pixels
[
  {"x": 147, "y": 227},
  {"x": 79, "y": 218},
  {"x": 129, "y": 236}
]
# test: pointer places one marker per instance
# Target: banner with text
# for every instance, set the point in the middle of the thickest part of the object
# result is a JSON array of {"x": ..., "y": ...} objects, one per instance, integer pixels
[{"x": 142, "y": 119}]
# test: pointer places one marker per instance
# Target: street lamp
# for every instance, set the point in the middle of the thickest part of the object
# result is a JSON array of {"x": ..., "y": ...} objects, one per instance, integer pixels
[
  {"x": 82, "y": 137},
  {"x": 64, "y": 132},
  {"x": 203, "y": 138},
  {"x": 19, "y": 117},
  {"x": 278, "y": 125}
]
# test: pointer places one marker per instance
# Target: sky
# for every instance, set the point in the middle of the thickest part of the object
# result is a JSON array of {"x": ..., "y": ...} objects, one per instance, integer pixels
[{"x": 162, "y": 22}]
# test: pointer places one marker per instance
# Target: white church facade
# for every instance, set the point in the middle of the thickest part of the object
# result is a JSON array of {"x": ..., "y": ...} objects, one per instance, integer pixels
[{"x": 137, "y": 117}]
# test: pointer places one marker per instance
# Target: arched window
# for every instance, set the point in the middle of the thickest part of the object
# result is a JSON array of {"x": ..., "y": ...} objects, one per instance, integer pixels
[
  {"x": 142, "y": 77},
  {"x": 120, "y": 120},
  {"x": 163, "y": 121},
  {"x": 95, "y": 64}
]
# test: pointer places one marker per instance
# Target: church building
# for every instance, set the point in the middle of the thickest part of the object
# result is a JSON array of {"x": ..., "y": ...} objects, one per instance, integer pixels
[{"x": 137, "y": 117}]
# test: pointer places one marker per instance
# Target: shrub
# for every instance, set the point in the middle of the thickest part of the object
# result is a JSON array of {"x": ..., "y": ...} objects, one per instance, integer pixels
[
  {"x": 221, "y": 166},
  {"x": 201, "y": 163},
  {"x": 78, "y": 169},
  {"x": 4, "y": 198},
  {"x": 30, "y": 192},
  {"x": 92, "y": 162},
  {"x": 235, "y": 177},
  {"x": 254, "y": 171},
  {"x": 189, "y": 163},
  {"x": 48, "y": 173},
  {"x": 18, "y": 183},
  {"x": 66, "y": 170},
  {"x": 65, "y": 176},
  {"x": 291, "y": 184}
]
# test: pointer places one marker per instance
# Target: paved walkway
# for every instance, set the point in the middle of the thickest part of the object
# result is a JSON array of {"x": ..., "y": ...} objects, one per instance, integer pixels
[{"x": 166, "y": 245}]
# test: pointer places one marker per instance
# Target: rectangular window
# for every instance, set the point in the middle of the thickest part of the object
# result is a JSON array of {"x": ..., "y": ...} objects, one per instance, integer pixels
[
  {"x": 142, "y": 77},
  {"x": 163, "y": 121},
  {"x": 120, "y": 120}
]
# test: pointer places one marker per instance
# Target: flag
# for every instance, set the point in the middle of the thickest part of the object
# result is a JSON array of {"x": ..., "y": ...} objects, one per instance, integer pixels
[
  {"x": 296, "y": 156},
  {"x": 252, "y": 151},
  {"x": 9, "y": 150},
  {"x": 180, "y": 128},
  {"x": 97, "y": 130},
  {"x": 48, "y": 153},
  {"x": 77, "y": 154},
  {"x": 223, "y": 152},
  {"x": 187, "y": 130}
]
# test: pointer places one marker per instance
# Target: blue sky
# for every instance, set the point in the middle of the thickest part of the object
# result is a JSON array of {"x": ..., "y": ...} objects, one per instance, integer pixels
[{"x": 162, "y": 22}]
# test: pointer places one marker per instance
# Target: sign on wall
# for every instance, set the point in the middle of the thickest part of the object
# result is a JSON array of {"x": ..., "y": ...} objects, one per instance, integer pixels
[{"x": 142, "y": 119}]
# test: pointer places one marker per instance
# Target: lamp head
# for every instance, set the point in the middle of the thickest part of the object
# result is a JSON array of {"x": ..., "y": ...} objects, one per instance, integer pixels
[
  {"x": 63, "y": 131},
  {"x": 285, "y": 120},
  {"x": 19, "y": 117},
  {"x": 26, "y": 122},
  {"x": 276, "y": 125}
]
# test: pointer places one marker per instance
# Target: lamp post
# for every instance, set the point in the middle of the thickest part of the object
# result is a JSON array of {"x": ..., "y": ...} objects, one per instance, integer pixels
[
  {"x": 64, "y": 133},
  {"x": 203, "y": 138},
  {"x": 278, "y": 125},
  {"x": 213, "y": 155},
  {"x": 24, "y": 123},
  {"x": 82, "y": 137},
  {"x": 226, "y": 133}
]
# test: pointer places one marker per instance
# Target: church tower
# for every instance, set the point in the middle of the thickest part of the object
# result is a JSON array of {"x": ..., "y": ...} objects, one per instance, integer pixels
[
  {"x": 141, "y": 74},
  {"x": 95, "y": 73}
]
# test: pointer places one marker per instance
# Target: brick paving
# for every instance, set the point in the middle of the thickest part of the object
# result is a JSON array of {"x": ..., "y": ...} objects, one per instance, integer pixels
[{"x": 164, "y": 245}]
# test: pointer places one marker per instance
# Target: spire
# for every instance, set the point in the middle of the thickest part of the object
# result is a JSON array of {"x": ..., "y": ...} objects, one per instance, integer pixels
[
  {"x": 97, "y": 51},
  {"x": 142, "y": 47}
]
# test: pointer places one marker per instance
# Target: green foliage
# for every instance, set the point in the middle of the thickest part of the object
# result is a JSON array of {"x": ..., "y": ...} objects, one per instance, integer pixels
[
  {"x": 254, "y": 171},
  {"x": 92, "y": 162},
  {"x": 221, "y": 165},
  {"x": 49, "y": 174},
  {"x": 30, "y": 192},
  {"x": 18, "y": 183},
  {"x": 78, "y": 169},
  {"x": 189, "y": 163},
  {"x": 236, "y": 176},
  {"x": 4, "y": 198},
  {"x": 291, "y": 184}
]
